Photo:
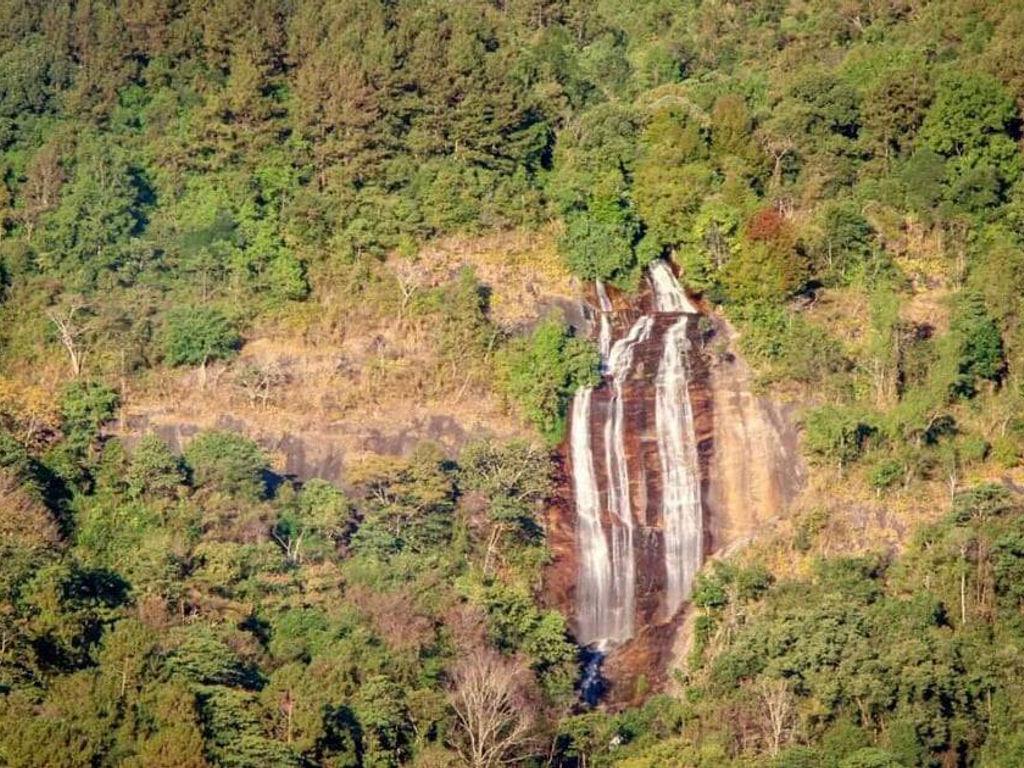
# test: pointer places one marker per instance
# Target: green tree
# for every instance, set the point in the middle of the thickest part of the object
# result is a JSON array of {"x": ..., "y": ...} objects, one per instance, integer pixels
[
  {"x": 227, "y": 463},
  {"x": 893, "y": 110},
  {"x": 205, "y": 658},
  {"x": 826, "y": 103},
  {"x": 315, "y": 522},
  {"x": 409, "y": 502},
  {"x": 384, "y": 720},
  {"x": 541, "y": 373},
  {"x": 98, "y": 211},
  {"x": 599, "y": 241},
  {"x": 969, "y": 122},
  {"x": 154, "y": 470},
  {"x": 670, "y": 181},
  {"x": 979, "y": 345},
  {"x": 197, "y": 335},
  {"x": 849, "y": 240},
  {"x": 173, "y": 738},
  {"x": 925, "y": 178},
  {"x": 86, "y": 406}
]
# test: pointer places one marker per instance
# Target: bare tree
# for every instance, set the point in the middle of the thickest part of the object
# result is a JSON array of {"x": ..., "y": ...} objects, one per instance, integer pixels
[
  {"x": 952, "y": 464},
  {"x": 43, "y": 179},
  {"x": 776, "y": 704},
  {"x": 409, "y": 278},
  {"x": 259, "y": 382},
  {"x": 778, "y": 147},
  {"x": 70, "y": 330},
  {"x": 955, "y": 241},
  {"x": 490, "y": 695}
]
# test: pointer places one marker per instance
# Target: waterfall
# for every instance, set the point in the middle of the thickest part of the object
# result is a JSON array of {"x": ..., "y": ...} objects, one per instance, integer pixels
[
  {"x": 608, "y": 540},
  {"x": 594, "y": 588},
  {"x": 681, "y": 510},
  {"x": 620, "y": 360},
  {"x": 668, "y": 294}
]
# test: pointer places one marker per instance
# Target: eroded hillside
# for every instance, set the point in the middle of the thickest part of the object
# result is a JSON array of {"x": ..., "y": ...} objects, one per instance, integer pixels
[{"x": 375, "y": 376}]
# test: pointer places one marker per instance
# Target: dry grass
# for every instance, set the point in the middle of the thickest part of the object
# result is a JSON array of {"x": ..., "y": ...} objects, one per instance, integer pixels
[
  {"x": 844, "y": 313},
  {"x": 922, "y": 252},
  {"x": 358, "y": 367},
  {"x": 522, "y": 269},
  {"x": 843, "y": 515}
]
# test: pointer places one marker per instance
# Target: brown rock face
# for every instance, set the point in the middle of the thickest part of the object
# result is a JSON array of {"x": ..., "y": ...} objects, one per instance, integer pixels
[
  {"x": 755, "y": 468},
  {"x": 748, "y": 471}
]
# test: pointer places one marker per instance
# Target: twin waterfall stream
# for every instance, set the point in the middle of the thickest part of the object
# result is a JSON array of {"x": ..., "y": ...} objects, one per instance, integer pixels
[{"x": 621, "y": 517}]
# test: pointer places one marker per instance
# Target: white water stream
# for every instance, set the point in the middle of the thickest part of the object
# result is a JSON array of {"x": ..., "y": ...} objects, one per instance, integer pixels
[
  {"x": 681, "y": 511},
  {"x": 594, "y": 589},
  {"x": 623, "y": 560},
  {"x": 606, "y": 523}
]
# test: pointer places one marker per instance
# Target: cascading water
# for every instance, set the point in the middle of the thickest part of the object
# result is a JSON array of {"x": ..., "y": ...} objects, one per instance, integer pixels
[
  {"x": 681, "y": 511},
  {"x": 682, "y": 514},
  {"x": 594, "y": 588},
  {"x": 620, "y": 360},
  {"x": 610, "y": 532},
  {"x": 668, "y": 294}
]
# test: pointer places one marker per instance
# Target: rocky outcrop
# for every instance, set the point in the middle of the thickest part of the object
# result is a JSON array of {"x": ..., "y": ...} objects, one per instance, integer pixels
[
  {"x": 309, "y": 451},
  {"x": 754, "y": 467}
]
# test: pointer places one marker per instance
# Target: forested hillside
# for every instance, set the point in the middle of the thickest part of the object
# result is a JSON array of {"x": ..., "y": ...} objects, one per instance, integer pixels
[{"x": 841, "y": 180}]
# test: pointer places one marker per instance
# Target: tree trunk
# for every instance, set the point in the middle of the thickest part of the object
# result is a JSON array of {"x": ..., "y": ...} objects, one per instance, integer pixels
[{"x": 963, "y": 598}]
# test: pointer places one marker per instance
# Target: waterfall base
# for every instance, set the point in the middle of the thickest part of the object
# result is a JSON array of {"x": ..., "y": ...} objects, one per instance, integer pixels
[
  {"x": 642, "y": 666},
  {"x": 592, "y": 683}
]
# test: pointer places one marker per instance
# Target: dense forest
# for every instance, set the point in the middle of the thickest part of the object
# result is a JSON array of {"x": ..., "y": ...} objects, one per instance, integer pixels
[{"x": 843, "y": 180}]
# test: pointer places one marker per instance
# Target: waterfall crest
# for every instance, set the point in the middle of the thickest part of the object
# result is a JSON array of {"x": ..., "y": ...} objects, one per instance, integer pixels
[
  {"x": 668, "y": 294},
  {"x": 615, "y": 532}
]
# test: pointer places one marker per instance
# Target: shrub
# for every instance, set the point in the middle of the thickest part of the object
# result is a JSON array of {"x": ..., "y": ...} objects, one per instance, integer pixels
[
  {"x": 982, "y": 501},
  {"x": 710, "y": 588},
  {"x": 885, "y": 474},
  {"x": 228, "y": 463},
  {"x": 973, "y": 449},
  {"x": 835, "y": 434},
  {"x": 1006, "y": 451},
  {"x": 798, "y": 757},
  {"x": 753, "y": 582},
  {"x": 196, "y": 335},
  {"x": 871, "y": 757},
  {"x": 542, "y": 371}
]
